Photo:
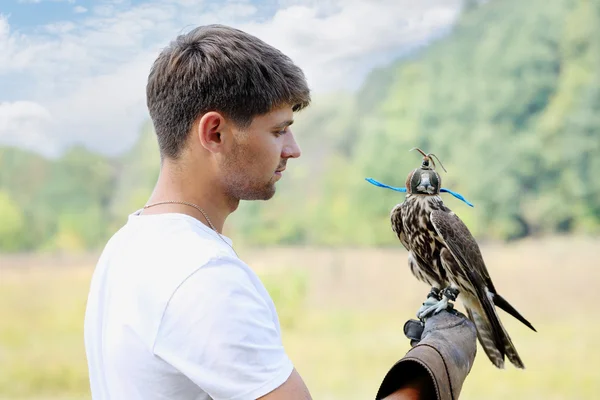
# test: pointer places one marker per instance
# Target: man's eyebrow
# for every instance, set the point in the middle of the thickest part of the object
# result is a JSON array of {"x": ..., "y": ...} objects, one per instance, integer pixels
[{"x": 284, "y": 124}]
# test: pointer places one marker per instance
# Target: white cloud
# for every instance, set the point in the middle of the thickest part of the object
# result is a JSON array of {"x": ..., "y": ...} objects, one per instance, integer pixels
[
  {"x": 335, "y": 41},
  {"x": 80, "y": 9},
  {"x": 23, "y": 123},
  {"x": 59, "y": 28},
  {"x": 84, "y": 80}
]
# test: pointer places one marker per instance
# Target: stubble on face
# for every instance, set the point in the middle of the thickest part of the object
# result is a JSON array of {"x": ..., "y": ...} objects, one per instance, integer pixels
[
  {"x": 249, "y": 168},
  {"x": 239, "y": 182}
]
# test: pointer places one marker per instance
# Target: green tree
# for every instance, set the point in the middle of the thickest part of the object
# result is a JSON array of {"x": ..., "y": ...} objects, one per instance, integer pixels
[{"x": 12, "y": 224}]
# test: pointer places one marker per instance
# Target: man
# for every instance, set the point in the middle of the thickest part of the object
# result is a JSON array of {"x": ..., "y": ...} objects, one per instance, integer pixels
[{"x": 173, "y": 313}]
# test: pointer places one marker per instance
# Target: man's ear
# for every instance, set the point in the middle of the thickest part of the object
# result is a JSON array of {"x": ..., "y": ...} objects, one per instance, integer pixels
[{"x": 209, "y": 130}]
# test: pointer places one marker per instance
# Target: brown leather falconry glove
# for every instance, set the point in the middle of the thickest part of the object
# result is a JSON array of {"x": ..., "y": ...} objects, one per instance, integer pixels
[{"x": 442, "y": 355}]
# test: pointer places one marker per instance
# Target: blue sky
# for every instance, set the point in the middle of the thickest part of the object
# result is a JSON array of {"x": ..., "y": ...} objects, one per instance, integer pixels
[
  {"x": 29, "y": 15},
  {"x": 74, "y": 71}
]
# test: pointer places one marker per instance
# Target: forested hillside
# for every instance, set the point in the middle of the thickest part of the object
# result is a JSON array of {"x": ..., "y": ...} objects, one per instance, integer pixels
[{"x": 510, "y": 102}]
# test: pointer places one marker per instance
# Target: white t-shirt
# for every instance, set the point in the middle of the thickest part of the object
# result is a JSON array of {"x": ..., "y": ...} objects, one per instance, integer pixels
[{"x": 174, "y": 314}]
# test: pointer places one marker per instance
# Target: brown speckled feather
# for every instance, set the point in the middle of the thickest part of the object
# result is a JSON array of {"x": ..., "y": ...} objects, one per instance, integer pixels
[
  {"x": 442, "y": 253},
  {"x": 478, "y": 289},
  {"x": 410, "y": 222},
  {"x": 463, "y": 246}
]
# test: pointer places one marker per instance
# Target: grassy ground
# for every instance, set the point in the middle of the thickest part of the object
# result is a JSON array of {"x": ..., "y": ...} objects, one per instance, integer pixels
[{"x": 342, "y": 313}]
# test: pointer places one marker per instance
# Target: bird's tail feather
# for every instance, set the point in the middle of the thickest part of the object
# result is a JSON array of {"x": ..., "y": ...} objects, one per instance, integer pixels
[
  {"x": 505, "y": 305},
  {"x": 486, "y": 337},
  {"x": 511, "y": 351},
  {"x": 492, "y": 336}
]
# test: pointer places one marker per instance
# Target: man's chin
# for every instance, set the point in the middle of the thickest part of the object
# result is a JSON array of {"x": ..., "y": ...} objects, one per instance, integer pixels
[
  {"x": 265, "y": 194},
  {"x": 269, "y": 194}
]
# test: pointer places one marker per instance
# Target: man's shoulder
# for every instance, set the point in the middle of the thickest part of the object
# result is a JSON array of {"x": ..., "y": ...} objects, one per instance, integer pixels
[
  {"x": 168, "y": 242},
  {"x": 149, "y": 259}
]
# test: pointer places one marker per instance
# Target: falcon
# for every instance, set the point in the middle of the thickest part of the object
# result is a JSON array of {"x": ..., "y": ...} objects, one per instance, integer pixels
[{"x": 443, "y": 253}]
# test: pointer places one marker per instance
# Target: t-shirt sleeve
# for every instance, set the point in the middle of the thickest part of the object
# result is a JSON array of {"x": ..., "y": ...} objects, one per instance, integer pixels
[{"x": 219, "y": 331}]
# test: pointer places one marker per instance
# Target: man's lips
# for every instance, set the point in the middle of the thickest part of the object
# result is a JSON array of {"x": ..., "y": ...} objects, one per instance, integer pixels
[{"x": 279, "y": 172}]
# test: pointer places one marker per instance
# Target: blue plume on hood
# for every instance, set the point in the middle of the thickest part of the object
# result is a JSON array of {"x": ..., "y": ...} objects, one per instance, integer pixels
[{"x": 403, "y": 190}]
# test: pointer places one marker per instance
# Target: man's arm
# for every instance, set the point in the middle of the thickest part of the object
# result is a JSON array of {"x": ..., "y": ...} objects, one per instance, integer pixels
[
  {"x": 420, "y": 387},
  {"x": 434, "y": 369},
  {"x": 417, "y": 384},
  {"x": 438, "y": 363},
  {"x": 292, "y": 389},
  {"x": 219, "y": 331}
]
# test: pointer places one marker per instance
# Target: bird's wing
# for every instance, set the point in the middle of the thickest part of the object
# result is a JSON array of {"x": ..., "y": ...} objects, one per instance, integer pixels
[
  {"x": 463, "y": 247},
  {"x": 465, "y": 250},
  {"x": 397, "y": 226}
]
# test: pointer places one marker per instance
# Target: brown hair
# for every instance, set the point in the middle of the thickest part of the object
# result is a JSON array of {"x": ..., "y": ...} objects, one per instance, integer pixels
[{"x": 218, "y": 68}]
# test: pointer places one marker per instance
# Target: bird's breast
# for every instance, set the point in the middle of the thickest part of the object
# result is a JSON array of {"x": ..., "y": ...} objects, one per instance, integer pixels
[{"x": 422, "y": 237}]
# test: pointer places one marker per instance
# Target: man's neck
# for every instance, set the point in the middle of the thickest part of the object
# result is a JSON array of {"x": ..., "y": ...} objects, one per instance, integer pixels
[{"x": 175, "y": 185}]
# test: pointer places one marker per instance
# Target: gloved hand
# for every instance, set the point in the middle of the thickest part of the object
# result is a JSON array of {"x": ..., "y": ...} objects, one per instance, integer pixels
[{"x": 444, "y": 346}]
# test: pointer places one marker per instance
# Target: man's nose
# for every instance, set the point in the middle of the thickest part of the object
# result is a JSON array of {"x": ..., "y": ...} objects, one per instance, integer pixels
[{"x": 290, "y": 147}]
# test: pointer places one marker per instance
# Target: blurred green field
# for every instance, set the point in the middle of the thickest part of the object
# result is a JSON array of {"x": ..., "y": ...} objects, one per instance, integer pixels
[{"x": 342, "y": 312}]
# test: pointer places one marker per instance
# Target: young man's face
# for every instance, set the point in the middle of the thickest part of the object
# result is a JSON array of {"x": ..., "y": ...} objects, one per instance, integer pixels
[{"x": 259, "y": 155}]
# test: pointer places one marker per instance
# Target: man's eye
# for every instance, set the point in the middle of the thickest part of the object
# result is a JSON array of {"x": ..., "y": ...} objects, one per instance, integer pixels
[{"x": 281, "y": 132}]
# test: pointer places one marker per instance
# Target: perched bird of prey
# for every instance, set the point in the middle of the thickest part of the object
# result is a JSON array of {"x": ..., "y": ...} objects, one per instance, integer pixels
[{"x": 443, "y": 253}]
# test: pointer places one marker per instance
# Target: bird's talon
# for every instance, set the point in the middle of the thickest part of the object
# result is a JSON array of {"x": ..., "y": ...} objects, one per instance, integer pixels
[
  {"x": 438, "y": 301},
  {"x": 450, "y": 293},
  {"x": 435, "y": 293},
  {"x": 428, "y": 306}
]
